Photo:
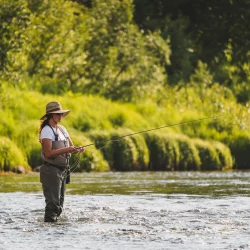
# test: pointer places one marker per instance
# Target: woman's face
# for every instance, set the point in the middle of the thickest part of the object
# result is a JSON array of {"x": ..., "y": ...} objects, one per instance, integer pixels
[{"x": 57, "y": 117}]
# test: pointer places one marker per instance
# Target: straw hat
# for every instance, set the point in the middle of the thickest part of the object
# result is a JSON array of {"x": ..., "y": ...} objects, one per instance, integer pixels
[{"x": 54, "y": 108}]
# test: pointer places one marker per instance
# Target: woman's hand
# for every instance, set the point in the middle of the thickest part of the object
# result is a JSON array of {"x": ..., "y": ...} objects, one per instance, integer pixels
[
  {"x": 76, "y": 150},
  {"x": 80, "y": 149},
  {"x": 72, "y": 150}
]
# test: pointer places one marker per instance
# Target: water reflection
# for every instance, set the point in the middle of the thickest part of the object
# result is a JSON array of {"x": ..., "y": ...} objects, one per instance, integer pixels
[
  {"x": 201, "y": 183},
  {"x": 160, "y": 210}
]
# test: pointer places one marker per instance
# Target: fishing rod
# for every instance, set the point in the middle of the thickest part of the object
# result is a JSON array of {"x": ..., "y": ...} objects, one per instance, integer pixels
[
  {"x": 75, "y": 164},
  {"x": 152, "y": 129}
]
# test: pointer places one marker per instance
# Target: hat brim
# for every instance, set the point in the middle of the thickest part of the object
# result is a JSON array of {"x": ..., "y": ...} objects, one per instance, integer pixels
[{"x": 65, "y": 113}]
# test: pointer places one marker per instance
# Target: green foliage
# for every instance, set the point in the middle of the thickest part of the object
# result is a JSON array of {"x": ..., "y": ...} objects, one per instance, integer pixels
[
  {"x": 62, "y": 46},
  {"x": 189, "y": 155},
  {"x": 125, "y": 154},
  {"x": 129, "y": 51},
  {"x": 84, "y": 123},
  {"x": 240, "y": 145},
  {"x": 143, "y": 152},
  {"x": 117, "y": 119},
  {"x": 200, "y": 30},
  {"x": 100, "y": 139},
  {"x": 119, "y": 53},
  {"x": 27, "y": 140},
  {"x": 183, "y": 56},
  {"x": 14, "y": 17},
  {"x": 225, "y": 157},
  {"x": 242, "y": 91},
  {"x": 164, "y": 152},
  {"x": 11, "y": 156},
  {"x": 91, "y": 159},
  {"x": 208, "y": 155},
  {"x": 129, "y": 153}
]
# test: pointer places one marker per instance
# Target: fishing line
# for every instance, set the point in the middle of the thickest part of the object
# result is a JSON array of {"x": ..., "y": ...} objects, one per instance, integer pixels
[
  {"x": 239, "y": 123},
  {"x": 106, "y": 142},
  {"x": 152, "y": 129}
]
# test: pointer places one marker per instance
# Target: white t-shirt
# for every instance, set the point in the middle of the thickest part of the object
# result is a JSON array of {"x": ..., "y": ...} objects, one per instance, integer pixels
[{"x": 47, "y": 133}]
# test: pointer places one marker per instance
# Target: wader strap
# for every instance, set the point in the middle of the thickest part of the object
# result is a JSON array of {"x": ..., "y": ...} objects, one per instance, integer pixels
[
  {"x": 62, "y": 130},
  {"x": 56, "y": 135},
  {"x": 68, "y": 167}
]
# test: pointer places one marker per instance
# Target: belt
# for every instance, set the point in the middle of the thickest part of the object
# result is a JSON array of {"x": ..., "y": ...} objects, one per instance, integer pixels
[{"x": 62, "y": 168}]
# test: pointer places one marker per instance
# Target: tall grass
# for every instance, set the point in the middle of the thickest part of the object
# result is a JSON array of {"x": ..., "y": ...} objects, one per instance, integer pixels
[
  {"x": 208, "y": 155},
  {"x": 91, "y": 159},
  {"x": 93, "y": 118},
  {"x": 11, "y": 156},
  {"x": 122, "y": 154},
  {"x": 163, "y": 151}
]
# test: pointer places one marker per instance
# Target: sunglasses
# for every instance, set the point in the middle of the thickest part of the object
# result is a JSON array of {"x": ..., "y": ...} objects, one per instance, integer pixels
[{"x": 59, "y": 114}]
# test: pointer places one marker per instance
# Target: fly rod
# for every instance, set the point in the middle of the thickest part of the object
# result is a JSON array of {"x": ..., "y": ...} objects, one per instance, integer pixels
[{"x": 152, "y": 129}]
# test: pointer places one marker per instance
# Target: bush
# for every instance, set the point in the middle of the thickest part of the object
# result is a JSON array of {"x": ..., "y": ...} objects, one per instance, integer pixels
[
  {"x": 100, "y": 138},
  {"x": 189, "y": 155},
  {"x": 117, "y": 119},
  {"x": 208, "y": 155},
  {"x": 6, "y": 124},
  {"x": 84, "y": 123},
  {"x": 143, "y": 153},
  {"x": 240, "y": 148},
  {"x": 27, "y": 139},
  {"x": 163, "y": 151},
  {"x": 225, "y": 157},
  {"x": 123, "y": 154},
  {"x": 11, "y": 156},
  {"x": 91, "y": 159}
]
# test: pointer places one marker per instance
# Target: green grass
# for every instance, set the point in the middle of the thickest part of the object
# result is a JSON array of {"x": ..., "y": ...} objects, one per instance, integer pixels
[{"x": 94, "y": 118}]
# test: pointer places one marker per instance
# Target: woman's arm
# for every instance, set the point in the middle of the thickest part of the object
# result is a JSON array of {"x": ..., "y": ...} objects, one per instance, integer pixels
[
  {"x": 79, "y": 149},
  {"x": 49, "y": 152}
]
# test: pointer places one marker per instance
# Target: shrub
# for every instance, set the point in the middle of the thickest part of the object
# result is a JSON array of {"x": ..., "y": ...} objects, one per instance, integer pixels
[
  {"x": 100, "y": 138},
  {"x": 143, "y": 153},
  {"x": 27, "y": 139},
  {"x": 91, "y": 159},
  {"x": 117, "y": 119},
  {"x": 208, "y": 155},
  {"x": 123, "y": 154},
  {"x": 225, "y": 157},
  {"x": 11, "y": 156},
  {"x": 6, "y": 124},
  {"x": 84, "y": 123},
  {"x": 240, "y": 148},
  {"x": 189, "y": 155},
  {"x": 163, "y": 151}
]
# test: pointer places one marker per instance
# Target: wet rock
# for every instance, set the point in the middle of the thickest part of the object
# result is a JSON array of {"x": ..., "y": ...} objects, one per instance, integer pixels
[
  {"x": 37, "y": 168},
  {"x": 20, "y": 170}
]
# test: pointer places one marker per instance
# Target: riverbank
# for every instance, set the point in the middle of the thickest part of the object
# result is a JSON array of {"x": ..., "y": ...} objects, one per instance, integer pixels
[{"x": 211, "y": 144}]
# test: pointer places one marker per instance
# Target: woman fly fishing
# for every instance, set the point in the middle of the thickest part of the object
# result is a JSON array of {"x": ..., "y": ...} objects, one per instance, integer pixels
[{"x": 57, "y": 148}]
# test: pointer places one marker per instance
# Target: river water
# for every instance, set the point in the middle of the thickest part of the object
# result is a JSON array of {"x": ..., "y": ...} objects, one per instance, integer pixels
[{"x": 135, "y": 210}]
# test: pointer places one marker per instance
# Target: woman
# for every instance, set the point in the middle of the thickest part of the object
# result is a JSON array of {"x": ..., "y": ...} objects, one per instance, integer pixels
[{"x": 56, "y": 150}]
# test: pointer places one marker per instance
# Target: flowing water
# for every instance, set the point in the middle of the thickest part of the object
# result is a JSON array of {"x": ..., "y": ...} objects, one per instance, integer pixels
[{"x": 135, "y": 210}]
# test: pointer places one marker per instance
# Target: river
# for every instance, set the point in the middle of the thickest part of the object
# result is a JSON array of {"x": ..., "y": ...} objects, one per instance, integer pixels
[{"x": 134, "y": 210}]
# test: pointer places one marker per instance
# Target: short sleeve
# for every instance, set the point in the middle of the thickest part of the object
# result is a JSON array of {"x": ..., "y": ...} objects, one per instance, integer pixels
[{"x": 47, "y": 133}]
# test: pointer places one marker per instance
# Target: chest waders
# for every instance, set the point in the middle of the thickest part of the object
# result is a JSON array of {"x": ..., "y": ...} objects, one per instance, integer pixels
[{"x": 54, "y": 174}]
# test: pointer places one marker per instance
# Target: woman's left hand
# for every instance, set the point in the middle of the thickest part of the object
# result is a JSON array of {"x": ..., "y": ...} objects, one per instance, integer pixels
[{"x": 80, "y": 149}]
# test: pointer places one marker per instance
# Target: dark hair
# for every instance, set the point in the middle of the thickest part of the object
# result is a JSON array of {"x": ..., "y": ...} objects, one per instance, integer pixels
[{"x": 44, "y": 123}]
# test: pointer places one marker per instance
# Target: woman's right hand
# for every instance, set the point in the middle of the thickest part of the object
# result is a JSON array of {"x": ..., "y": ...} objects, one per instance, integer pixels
[{"x": 72, "y": 149}]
